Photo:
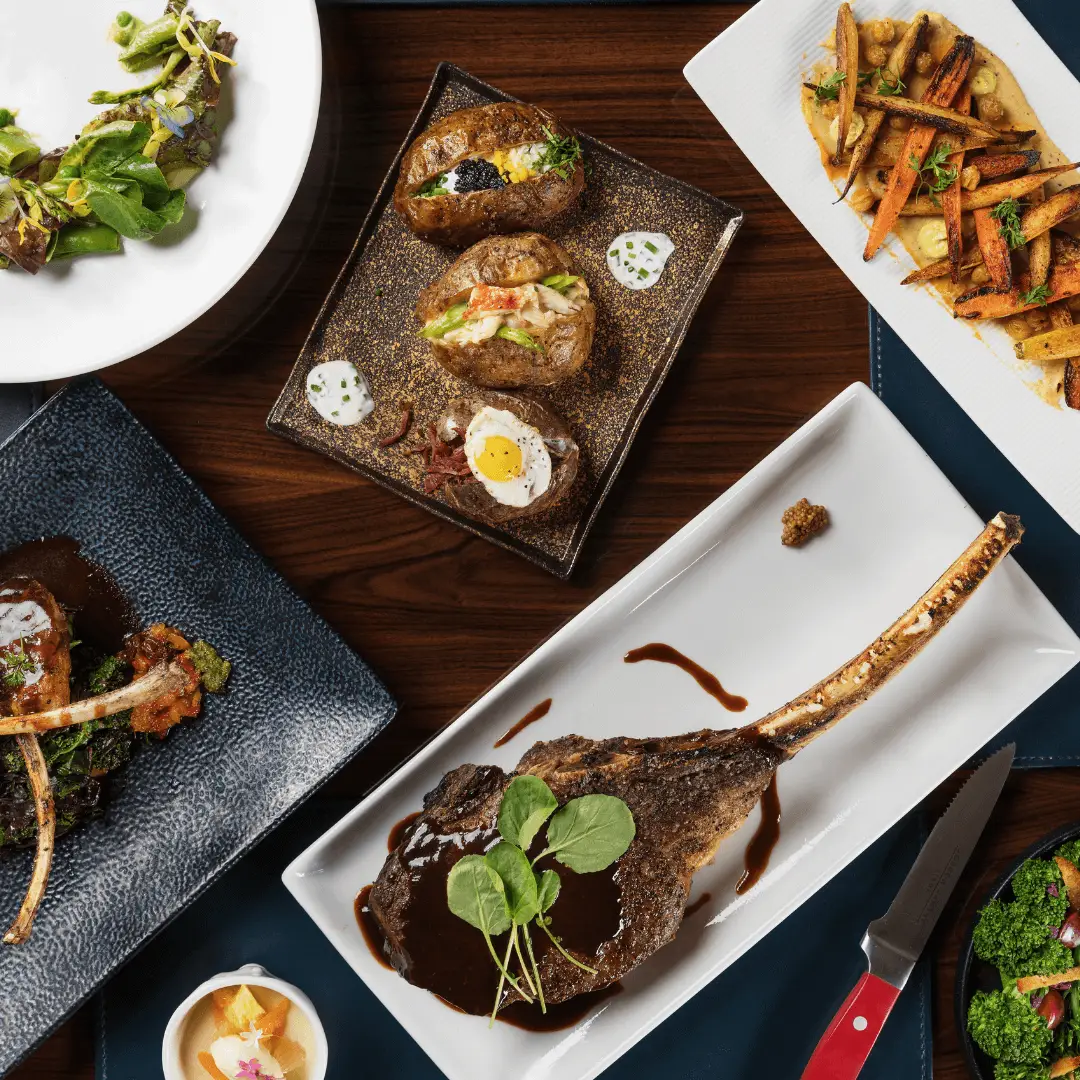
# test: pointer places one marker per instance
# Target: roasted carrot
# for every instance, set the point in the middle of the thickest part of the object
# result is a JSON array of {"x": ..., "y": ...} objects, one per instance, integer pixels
[
  {"x": 847, "y": 64},
  {"x": 1057, "y": 344},
  {"x": 953, "y": 121},
  {"x": 942, "y": 268},
  {"x": 943, "y": 88},
  {"x": 994, "y": 165},
  {"x": 1039, "y": 249},
  {"x": 1020, "y": 187},
  {"x": 950, "y": 198},
  {"x": 988, "y": 303},
  {"x": 897, "y": 67},
  {"x": 1061, "y": 317},
  {"x": 995, "y": 250},
  {"x": 890, "y": 145}
]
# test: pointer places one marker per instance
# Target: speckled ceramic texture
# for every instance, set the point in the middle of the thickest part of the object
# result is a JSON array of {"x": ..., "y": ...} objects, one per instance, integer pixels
[
  {"x": 299, "y": 704},
  {"x": 368, "y": 319}
]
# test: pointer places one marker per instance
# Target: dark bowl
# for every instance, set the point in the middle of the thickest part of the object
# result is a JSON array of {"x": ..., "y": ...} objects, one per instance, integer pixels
[{"x": 972, "y": 973}]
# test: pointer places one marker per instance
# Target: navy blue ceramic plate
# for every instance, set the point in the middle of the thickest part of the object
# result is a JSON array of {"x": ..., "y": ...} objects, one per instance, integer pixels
[
  {"x": 299, "y": 705},
  {"x": 973, "y": 974}
]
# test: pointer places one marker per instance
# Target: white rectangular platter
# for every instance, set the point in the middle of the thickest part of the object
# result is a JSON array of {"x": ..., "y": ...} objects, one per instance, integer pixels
[
  {"x": 770, "y": 49},
  {"x": 769, "y": 621}
]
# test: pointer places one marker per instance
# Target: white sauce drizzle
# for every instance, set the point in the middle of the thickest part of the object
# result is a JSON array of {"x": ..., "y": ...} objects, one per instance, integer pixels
[
  {"x": 339, "y": 393},
  {"x": 636, "y": 259}
]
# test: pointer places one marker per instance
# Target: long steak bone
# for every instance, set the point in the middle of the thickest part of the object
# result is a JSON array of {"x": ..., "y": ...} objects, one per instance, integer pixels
[{"x": 687, "y": 792}]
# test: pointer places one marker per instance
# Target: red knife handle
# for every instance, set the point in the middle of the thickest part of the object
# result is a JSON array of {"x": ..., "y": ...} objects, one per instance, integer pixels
[{"x": 848, "y": 1040}]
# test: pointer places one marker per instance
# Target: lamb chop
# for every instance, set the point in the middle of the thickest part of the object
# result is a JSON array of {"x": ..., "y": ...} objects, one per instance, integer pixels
[
  {"x": 687, "y": 793},
  {"x": 35, "y": 674}
]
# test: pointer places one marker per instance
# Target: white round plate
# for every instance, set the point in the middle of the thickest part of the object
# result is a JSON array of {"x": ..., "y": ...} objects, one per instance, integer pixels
[{"x": 85, "y": 314}]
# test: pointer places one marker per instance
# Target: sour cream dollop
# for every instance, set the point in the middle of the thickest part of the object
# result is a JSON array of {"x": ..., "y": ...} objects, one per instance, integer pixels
[
  {"x": 339, "y": 393},
  {"x": 636, "y": 259}
]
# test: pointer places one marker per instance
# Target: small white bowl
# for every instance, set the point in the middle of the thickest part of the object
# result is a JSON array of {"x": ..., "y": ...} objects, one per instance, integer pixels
[{"x": 253, "y": 975}]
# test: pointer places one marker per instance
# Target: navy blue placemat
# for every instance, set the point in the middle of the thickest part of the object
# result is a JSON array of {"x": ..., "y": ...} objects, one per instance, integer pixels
[{"x": 727, "y": 1032}]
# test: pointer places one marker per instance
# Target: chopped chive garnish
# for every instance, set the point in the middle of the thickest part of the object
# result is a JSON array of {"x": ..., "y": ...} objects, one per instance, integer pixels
[
  {"x": 613, "y": 253},
  {"x": 343, "y": 384},
  {"x": 314, "y": 388},
  {"x": 650, "y": 246},
  {"x": 345, "y": 397},
  {"x": 334, "y": 413},
  {"x": 356, "y": 380},
  {"x": 629, "y": 244},
  {"x": 643, "y": 273}
]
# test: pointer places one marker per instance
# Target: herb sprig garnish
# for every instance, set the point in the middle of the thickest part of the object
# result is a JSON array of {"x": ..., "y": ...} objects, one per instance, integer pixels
[
  {"x": 561, "y": 154},
  {"x": 16, "y": 666},
  {"x": 829, "y": 88},
  {"x": 1037, "y": 294},
  {"x": 935, "y": 174},
  {"x": 889, "y": 85},
  {"x": 1007, "y": 213},
  {"x": 501, "y": 890}
]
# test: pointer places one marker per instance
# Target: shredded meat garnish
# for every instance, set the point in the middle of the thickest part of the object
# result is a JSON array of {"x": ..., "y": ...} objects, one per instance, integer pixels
[
  {"x": 445, "y": 461},
  {"x": 147, "y": 649},
  {"x": 403, "y": 427}
]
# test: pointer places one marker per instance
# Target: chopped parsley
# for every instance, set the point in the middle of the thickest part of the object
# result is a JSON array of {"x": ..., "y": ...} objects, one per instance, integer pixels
[
  {"x": 1037, "y": 294},
  {"x": 1007, "y": 213},
  {"x": 16, "y": 666},
  {"x": 889, "y": 85},
  {"x": 829, "y": 89}
]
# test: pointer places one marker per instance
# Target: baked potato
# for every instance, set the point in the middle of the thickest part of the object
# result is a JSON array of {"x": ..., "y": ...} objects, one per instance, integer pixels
[
  {"x": 521, "y": 455},
  {"x": 510, "y": 311},
  {"x": 491, "y": 169}
]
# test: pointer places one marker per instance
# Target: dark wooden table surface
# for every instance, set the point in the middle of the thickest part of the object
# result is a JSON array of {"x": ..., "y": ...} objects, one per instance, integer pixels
[{"x": 439, "y": 614}]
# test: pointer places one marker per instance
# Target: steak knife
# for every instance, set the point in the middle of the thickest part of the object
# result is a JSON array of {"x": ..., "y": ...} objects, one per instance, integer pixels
[{"x": 894, "y": 942}]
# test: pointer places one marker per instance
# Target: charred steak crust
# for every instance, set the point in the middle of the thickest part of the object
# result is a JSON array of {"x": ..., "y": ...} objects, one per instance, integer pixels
[{"x": 687, "y": 793}]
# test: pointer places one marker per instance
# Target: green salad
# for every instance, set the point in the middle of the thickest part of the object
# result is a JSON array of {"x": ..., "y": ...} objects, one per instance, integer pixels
[
  {"x": 125, "y": 174},
  {"x": 1031, "y": 1026}
]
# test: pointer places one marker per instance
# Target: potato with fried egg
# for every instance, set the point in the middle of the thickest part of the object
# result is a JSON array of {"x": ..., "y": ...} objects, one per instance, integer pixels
[
  {"x": 521, "y": 454},
  {"x": 496, "y": 168},
  {"x": 511, "y": 311}
]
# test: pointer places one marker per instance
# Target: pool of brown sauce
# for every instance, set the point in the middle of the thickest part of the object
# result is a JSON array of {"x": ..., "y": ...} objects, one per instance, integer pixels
[
  {"x": 449, "y": 957},
  {"x": 103, "y": 616},
  {"x": 537, "y": 712}
]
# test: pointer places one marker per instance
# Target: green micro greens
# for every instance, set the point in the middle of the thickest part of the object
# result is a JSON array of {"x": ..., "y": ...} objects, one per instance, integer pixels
[
  {"x": 829, "y": 88},
  {"x": 502, "y": 892},
  {"x": 1037, "y": 294},
  {"x": 16, "y": 666},
  {"x": 941, "y": 173},
  {"x": 561, "y": 154},
  {"x": 1007, "y": 213}
]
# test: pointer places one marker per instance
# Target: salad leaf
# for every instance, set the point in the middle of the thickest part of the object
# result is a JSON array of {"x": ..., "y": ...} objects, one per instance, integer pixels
[
  {"x": 475, "y": 893},
  {"x": 547, "y": 889},
  {"x": 526, "y": 805},
  {"x": 519, "y": 881},
  {"x": 590, "y": 833}
]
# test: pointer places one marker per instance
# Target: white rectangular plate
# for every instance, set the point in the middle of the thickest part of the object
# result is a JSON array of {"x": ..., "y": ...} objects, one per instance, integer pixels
[
  {"x": 769, "y": 621},
  {"x": 770, "y": 48}
]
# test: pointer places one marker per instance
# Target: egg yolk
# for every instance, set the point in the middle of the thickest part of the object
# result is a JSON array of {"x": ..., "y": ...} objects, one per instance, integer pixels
[{"x": 500, "y": 460}]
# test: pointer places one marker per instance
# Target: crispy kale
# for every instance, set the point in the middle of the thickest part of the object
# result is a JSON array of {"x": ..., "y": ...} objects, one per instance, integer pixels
[
  {"x": 213, "y": 670},
  {"x": 1003, "y": 1071},
  {"x": 1006, "y": 1027},
  {"x": 112, "y": 673}
]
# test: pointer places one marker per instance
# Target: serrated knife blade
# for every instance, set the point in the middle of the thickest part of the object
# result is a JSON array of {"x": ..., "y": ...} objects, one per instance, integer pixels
[{"x": 894, "y": 942}]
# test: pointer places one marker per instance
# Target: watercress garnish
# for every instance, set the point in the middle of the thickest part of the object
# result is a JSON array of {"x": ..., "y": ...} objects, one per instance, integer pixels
[
  {"x": 1007, "y": 213},
  {"x": 502, "y": 891}
]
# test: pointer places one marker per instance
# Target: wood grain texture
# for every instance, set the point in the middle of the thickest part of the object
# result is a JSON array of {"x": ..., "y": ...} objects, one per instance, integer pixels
[{"x": 439, "y": 614}]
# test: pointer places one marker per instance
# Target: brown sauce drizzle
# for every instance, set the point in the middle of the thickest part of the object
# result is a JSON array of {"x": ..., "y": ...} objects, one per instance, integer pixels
[
  {"x": 445, "y": 955},
  {"x": 397, "y": 833},
  {"x": 369, "y": 927},
  {"x": 705, "y": 679},
  {"x": 537, "y": 712},
  {"x": 697, "y": 905},
  {"x": 764, "y": 839},
  {"x": 103, "y": 614}
]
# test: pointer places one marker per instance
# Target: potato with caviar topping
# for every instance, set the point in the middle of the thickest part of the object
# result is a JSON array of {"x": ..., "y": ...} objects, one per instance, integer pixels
[
  {"x": 496, "y": 168},
  {"x": 511, "y": 311},
  {"x": 521, "y": 454}
]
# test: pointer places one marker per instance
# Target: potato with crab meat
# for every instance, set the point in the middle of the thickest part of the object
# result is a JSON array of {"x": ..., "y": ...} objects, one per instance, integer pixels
[{"x": 511, "y": 311}]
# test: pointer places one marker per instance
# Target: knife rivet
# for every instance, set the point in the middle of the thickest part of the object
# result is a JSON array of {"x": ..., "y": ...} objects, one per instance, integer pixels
[{"x": 859, "y": 1023}]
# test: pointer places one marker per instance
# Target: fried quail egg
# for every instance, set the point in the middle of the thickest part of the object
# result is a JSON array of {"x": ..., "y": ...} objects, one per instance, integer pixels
[{"x": 507, "y": 456}]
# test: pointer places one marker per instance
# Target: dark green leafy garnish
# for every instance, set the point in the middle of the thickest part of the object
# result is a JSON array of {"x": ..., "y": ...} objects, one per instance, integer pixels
[
  {"x": 935, "y": 173},
  {"x": 561, "y": 154},
  {"x": 829, "y": 88},
  {"x": 15, "y": 666},
  {"x": 889, "y": 85},
  {"x": 110, "y": 674},
  {"x": 1007, "y": 213},
  {"x": 1037, "y": 294}
]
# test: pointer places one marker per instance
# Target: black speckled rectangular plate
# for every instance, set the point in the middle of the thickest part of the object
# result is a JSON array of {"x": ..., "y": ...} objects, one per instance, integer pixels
[
  {"x": 368, "y": 319},
  {"x": 299, "y": 704}
]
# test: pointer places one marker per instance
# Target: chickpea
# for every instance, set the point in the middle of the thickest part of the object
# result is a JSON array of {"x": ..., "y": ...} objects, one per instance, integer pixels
[
  {"x": 924, "y": 63},
  {"x": 829, "y": 109},
  {"x": 861, "y": 199},
  {"x": 990, "y": 108},
  {"x": 980, "y": 276},
  {"x": 1038, "y": 321},
  {"x": 900, "y": 123},
  {"x": 882, "y": 31},
  {"x": 970, "y": 177},
  {"x": 1017, "y": 327},
  {"x": 877, "y": 55}
]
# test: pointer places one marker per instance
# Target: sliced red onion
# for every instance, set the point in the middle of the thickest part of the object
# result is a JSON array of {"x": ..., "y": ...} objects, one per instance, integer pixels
[
  {"x": 1037, "y": 998},
  {"x": 1052, "y": 889}
]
